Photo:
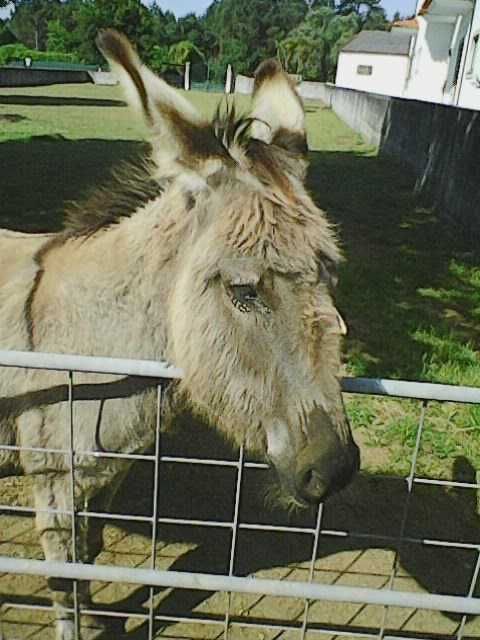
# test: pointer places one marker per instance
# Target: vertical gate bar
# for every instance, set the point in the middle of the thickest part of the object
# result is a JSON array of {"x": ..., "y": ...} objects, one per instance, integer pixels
[
  {"x": 471, "y": 590},
  {"x": 403, "y": 525},
  {"x": 76, "y": 611},
  {"x": 316, "y": 541},
  {"x": 233, "y": 546},
  {"x": 156, "y": 495}
]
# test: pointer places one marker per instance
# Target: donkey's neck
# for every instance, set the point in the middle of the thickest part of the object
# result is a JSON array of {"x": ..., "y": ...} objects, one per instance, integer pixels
[{"x": 107, "y": 294}]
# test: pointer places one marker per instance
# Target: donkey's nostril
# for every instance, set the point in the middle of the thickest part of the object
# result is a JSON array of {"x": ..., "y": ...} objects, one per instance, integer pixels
[{"x": 312, "y": 486}]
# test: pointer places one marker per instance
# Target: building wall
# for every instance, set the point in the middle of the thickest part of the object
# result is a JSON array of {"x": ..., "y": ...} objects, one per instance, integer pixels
[
  {"x": 389, "y": 72},
  {"x": 430, "y": 63},
  {"x": 469, "y": 93}
]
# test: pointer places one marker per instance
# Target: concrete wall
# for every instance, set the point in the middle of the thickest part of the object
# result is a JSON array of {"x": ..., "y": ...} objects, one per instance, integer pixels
[
  {"x": 316, "y": 91},
  {"x": 389, "y": 72},
  {"x": 308, "y": 90},
  {"x": 363, "y": 112},
  {"x": 103, "y": 78},
  {"x": 36, "y": 77},
  {"x": 243, "y": 85},
  {"x": 440, "y": 143}
]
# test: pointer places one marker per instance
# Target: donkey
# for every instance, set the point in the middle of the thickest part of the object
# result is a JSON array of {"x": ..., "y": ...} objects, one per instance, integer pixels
[{"x": 211, "y": 256}]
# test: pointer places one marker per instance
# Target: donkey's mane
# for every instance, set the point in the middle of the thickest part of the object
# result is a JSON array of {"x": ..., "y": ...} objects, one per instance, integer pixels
[
  {"x": 133, "y": 184},
  {"x": 130, "y": 185}
]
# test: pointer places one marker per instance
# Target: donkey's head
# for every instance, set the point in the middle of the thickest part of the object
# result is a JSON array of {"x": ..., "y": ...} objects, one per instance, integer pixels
[{"x": 251, "y": 317}]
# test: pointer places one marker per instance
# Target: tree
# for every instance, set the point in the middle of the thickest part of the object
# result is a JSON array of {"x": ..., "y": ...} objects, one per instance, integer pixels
[
  {"x": 371, "y": 14},
  {"x": 75, "y": 25},
  {"x": 6, "y": 35},
  {"x": 360, "y": 7},
  {"x": 317, "y": 4},
  {"x": 30, "y": 21},
  {"x": 249, "y": 31},
  {"x": 184, "y": 51},
  {"x": 376, "y": 19},
  {"x": 312, "y": 49}
]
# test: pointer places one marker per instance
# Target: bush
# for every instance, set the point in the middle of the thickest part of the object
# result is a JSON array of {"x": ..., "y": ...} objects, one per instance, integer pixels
[{"x": 12, "y": 52}]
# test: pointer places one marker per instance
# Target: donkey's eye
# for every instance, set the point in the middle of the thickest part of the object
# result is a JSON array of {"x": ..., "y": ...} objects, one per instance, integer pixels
[{"x": 243, "y": 297}]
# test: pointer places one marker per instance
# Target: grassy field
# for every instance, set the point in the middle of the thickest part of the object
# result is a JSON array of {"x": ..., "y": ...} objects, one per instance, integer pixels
[{"x": 410, "y": 295}]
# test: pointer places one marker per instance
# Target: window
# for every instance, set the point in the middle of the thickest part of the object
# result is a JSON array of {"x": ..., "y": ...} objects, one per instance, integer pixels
[
  {"x": 474, "y": 66},
  {"x": 458, "y": 63},
  {"x": 364, "y": 70}
]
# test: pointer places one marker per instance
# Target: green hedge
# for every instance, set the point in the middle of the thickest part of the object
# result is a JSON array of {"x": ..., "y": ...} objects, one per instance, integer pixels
[{"x": 14, "y": 52}]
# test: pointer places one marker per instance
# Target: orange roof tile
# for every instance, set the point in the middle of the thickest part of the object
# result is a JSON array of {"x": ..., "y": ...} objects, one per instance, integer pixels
[
  {"x": 412, "y": 23},
  {"x": 425, "y": 7}
]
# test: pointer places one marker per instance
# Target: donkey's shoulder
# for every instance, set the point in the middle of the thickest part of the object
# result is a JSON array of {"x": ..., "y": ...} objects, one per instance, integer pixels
[{"x": 18, "y": 251}]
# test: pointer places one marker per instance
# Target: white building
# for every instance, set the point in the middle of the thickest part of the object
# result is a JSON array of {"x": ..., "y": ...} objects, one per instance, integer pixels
[
  {"x": 376, "y": 61},
  {"x": 443, "y": 63},
  {"x": 443, "y": 59}
]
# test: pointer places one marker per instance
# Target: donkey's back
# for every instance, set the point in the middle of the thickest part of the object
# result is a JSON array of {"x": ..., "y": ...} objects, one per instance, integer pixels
[
  {"x": 18, "y": 274},
  {"x": 17, "y": 257}
]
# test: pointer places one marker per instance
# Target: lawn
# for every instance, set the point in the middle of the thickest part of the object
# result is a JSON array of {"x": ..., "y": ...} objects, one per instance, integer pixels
[{"x": 409, "y": 292}]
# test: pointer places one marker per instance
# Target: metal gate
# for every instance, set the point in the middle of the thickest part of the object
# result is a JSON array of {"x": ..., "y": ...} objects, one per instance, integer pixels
[{"x": 233, "y": 597}]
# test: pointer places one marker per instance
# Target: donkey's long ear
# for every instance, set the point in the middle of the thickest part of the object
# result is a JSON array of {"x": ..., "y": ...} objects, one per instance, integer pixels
[
  {"x": 278, "y": 109},
  {"x": 179, "y": 132}
]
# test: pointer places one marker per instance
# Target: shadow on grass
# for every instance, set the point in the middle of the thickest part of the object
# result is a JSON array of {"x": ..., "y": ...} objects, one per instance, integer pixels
[
  {"x": 40, "y": 175},
  {"x": 53, "y": 101},
  {"x": 409, "y": 291}
]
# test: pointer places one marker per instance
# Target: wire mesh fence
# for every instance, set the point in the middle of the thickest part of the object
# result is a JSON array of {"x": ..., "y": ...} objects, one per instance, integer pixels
[{"x": 382, "y": 560}]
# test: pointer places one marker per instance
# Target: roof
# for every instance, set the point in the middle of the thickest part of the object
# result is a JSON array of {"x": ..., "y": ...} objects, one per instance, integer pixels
[
  {"x": 425, "y": 7},
  {"x": 412, "y": 23},
  {"x": 446, "y": 7},
  {"x": 387, "y": 42}
]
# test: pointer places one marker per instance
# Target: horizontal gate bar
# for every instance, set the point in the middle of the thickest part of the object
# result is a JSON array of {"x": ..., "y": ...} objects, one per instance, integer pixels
[
  {"x": 258, "y": 586},
  {"x": 88, "y": 364},
  {"x": 412, "y": 390},
  {"x": 153, "y": 369}
]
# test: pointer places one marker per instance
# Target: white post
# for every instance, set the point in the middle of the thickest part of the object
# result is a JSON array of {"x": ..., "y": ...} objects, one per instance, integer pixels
[
  {"x": 187, "y": 84},
  {"x": 229, "y": 80}
]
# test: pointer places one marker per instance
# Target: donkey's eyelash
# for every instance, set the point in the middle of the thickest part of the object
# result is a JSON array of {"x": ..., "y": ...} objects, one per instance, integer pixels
[{"x": 245, "y": 298}]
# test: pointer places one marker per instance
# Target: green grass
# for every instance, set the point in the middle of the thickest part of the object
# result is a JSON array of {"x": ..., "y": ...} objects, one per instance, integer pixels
[{"x": 409, "y": 292}]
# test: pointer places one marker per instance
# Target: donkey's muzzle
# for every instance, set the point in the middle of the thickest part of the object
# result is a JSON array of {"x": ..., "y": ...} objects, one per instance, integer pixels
[{"x": 319, "y": 477}]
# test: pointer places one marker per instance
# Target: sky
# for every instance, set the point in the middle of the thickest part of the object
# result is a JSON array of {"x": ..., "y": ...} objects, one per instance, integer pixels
[{"x": 181, "y": 7}]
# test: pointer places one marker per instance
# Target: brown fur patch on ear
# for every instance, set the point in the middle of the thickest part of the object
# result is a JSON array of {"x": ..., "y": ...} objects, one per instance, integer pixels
[
  {"x": 266, "y": 166},
  {"x": 292, "y": 141},
  {"x": 116, "y": 47},
  {"x": 266, "y": 71},
  {"x": 198, "y": 141}
]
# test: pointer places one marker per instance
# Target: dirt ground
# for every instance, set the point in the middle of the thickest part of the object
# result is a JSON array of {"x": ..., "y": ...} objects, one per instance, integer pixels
[{"x": 370, "y": 508}]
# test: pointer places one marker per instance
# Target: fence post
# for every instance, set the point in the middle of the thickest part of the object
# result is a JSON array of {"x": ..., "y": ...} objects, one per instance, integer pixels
[
  {"x": 187, "y": 84},
  {"x": 229, "y": 80}
]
